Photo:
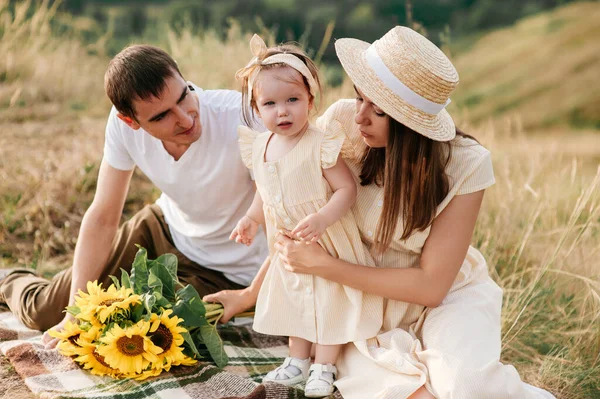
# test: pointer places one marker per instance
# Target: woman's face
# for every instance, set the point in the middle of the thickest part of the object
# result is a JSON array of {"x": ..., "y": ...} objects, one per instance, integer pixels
[{"x": 373, "y": 123}]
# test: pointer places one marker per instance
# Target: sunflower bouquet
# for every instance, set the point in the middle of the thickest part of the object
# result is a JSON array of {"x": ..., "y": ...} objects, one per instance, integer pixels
[{"x": 143, "y": 324}]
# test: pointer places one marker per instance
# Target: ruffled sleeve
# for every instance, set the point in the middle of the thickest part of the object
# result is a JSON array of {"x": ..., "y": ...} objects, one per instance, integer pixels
[
  {"x": 469, "y": 169},
  {"x": 480, "y": 176},
  {"x": 339, "y": 117},
  {"x": 332, "y": 144},
  {"x": 246, "y": 137}
]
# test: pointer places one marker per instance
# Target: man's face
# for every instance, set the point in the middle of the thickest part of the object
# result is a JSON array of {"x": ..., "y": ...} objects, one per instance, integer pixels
[{"x": 173, "y": 117}]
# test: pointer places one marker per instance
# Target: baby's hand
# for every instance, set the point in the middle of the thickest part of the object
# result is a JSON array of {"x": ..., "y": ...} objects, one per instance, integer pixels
[
  {"x": 245, "y": 231},
  {"x": 311, "y": 228}
]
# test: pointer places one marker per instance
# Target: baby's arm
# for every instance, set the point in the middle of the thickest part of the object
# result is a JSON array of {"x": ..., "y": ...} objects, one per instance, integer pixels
[
  {"x": 246, "y": 229},
  {"x": 256, "y": 212},
  {"x": 343, "y": 185}
]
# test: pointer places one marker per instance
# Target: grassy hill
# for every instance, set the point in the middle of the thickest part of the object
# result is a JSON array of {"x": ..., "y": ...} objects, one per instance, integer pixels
[{"x": 543, "y": 71}]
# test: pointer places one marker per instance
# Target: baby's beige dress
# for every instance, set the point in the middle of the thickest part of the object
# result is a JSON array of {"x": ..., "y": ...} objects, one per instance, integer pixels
[
  {"x": 293, "y": 187},
  {"x": 453, "y": 349}
]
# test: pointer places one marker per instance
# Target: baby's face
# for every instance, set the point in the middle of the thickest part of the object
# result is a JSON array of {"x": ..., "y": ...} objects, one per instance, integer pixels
[{"x": 282, "y": 100}]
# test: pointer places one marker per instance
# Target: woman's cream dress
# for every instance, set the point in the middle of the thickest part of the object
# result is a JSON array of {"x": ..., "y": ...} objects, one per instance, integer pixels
[
  {"x": 453, "y": 349},
  {"x": 293, "y": 187}
]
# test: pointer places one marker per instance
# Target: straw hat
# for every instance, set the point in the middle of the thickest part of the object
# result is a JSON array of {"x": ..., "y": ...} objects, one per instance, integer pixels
[{"x": 407, "y": 76}]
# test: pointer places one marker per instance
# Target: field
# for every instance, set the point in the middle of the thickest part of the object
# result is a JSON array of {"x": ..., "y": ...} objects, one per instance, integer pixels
[{"x": 529, "y": 93}]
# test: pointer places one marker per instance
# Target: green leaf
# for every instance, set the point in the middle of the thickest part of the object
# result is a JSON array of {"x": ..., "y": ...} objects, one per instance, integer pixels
[
  {"x": 169, "y": 261},
  {"x": 115, "y": 282},
  {"x": 190, "y": 315},
  {"x": 190, "y": 343},
  {"x": 189, "y": 307},
  {"x": 197, "y": 337},
  {"x": 85, "y": 325},
  {"x": 189, "y": 294},
  {"x": 162, "y": 302},
  {"x": 159, "y": 271},
  {"x": 137, "y": 312},
  {"x": 149, "y": 300},
  {"x": 74, "y": 310},
  {"x": 213, "y": 342},
  {"x": 155, "y": 283},
  {"x": 125, "y": 281},
  {"x": 139, "y": 272}
]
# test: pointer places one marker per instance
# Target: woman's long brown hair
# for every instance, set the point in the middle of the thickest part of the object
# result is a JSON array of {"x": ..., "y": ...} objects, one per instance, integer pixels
[{"x": 412, "y": 171}]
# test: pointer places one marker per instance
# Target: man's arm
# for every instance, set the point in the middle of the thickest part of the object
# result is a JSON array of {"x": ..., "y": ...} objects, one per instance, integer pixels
[
  {"x": 99, "y": 226},
  {"x": 98, "y": 229},
  {"x": 238, "y": 301}
]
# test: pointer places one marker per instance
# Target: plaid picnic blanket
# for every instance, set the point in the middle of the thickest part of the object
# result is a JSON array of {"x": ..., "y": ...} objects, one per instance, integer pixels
[{"x": 48, "y": 374}]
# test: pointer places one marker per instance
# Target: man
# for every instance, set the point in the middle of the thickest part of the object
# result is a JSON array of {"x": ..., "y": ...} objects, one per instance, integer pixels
[{"x": 185, "y": 140}]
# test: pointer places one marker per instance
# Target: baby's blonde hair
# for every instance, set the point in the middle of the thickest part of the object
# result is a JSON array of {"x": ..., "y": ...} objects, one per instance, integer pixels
[{"x": 244, "y": 74}]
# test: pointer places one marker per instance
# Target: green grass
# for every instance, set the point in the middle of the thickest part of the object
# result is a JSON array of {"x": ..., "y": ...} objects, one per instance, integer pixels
[{"x": 541, "y": 71}]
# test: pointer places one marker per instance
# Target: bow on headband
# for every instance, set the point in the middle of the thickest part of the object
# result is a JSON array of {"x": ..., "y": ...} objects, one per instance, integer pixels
[{"x": 259, "y": 49}]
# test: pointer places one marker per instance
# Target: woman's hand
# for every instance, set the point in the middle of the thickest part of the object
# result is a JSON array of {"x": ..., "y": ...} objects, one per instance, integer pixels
[
  {"x": 233, "y": 301},
  {"x": 301, "y": 257}
]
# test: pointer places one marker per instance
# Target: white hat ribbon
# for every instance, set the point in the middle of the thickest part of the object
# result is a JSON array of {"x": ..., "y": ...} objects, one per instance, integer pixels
[{"x": 399, "y": 88}]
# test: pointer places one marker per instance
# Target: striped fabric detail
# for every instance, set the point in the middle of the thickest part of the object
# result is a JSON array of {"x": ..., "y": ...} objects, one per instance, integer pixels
[
  {"x": 470, "y": 170},
  {"x": 293, "y": 187}
]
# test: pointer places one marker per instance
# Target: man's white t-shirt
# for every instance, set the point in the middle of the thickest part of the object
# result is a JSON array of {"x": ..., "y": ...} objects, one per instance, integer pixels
[{"x": 205, "y": 192}]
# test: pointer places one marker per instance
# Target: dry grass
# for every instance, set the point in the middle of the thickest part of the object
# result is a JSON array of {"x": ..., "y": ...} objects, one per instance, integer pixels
[
  {"x": 39, "y": 70},
  {"x": 540, "y": 232},
  {"x": 539, "y": 228}
]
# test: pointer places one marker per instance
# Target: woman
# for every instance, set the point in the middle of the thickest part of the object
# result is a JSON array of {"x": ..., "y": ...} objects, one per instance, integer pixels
[{"x": 421, "y": 183}]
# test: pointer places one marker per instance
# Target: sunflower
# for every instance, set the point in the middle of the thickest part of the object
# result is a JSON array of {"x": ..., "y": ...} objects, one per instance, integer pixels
[
  {"x": 88, "y": 302},
  {"x": 123, "y": 299},
  {"x": 91, "y": 360},
  {"x": 166, "y": 334},
  {"x": 93, "y": 290},
  {"x": 68, "y": 338},
  {"x": 98, "y": 305},
  {"x": 151, "y": 372},
  {"x": 129, "y": 349},
  {"x": 186, "y": 361}
]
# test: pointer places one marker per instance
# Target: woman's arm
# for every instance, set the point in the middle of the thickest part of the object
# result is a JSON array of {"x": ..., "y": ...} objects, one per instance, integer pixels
[
  {"x": 428, "y": 284},
  {"x": 343, "y": 186}
]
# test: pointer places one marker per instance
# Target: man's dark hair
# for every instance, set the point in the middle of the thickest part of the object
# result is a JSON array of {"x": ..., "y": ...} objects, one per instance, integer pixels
[{"x": 137, "y": 72}]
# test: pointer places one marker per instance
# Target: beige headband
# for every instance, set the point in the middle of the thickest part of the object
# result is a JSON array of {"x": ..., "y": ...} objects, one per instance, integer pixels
[{"x": 258, "y": 48}]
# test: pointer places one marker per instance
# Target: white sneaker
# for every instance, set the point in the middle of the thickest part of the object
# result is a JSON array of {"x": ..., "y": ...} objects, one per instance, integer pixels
[
  {"x": 291, "y": 372},
  {"x": 320, "y": 380}
]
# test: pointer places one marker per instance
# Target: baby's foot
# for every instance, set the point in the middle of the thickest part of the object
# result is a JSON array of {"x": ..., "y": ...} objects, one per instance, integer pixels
[
  {"x": 293, "y": 371},
  {"x": 320, "y": 380}
]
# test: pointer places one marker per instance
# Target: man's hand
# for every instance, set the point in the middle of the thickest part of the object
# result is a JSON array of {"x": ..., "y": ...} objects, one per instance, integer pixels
[
  {"x": 245, "y": 231},
  {"x": 51, "y": 342},
  {"x": 234, "y": 302},
  {"x": 311, "y": 228}
]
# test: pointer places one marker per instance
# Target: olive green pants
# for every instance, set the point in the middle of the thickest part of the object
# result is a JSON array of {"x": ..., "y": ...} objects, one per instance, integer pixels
[{"x": 39, "y": 303}]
